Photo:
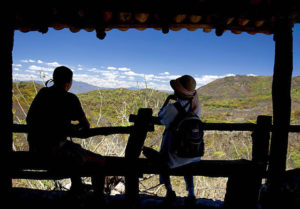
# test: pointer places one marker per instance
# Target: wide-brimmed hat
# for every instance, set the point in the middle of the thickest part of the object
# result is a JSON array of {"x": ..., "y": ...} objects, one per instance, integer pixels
[{"x": 184, "y": 85}]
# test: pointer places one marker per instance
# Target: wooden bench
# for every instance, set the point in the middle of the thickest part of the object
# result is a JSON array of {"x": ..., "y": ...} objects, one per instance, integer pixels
[{"x": 244, "y": 176}]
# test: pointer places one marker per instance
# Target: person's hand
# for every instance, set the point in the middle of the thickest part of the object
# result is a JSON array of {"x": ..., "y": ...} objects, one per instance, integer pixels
[{"x": 173, "y": 97}]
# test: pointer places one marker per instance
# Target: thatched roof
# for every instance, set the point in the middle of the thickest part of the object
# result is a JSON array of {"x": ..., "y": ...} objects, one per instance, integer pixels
[{"x": 251, "y": 16}]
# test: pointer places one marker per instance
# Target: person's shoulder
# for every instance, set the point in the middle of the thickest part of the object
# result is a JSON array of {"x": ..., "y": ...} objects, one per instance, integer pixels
[
  {"x": 43, "y": 90},
  {"x": 72, "y": 96}
]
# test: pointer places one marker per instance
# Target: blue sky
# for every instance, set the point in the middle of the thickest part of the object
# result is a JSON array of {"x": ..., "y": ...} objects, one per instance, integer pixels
[{"x": 137, "y": 58}]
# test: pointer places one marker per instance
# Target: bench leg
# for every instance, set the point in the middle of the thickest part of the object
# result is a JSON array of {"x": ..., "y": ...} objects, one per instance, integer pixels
[
  {"x": 98, "y": 184},
  {"x": 242, "y": 192}
]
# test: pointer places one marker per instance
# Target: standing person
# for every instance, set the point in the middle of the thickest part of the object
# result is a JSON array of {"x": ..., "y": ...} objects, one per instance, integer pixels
[
  {"x": 186, "y": 95},
  {"x": 49, "y": 120}
]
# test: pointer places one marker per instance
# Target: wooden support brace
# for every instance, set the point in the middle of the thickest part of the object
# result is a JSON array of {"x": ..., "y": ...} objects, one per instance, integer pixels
[
  {"x": 281, "y": 97},
  {"x": 142, "y": 125}
]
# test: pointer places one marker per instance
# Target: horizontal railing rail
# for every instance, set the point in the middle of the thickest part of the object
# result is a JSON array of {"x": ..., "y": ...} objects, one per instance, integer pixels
[
  {"x": 22, "y": 128},
  {"x": 222, "y": 126}
]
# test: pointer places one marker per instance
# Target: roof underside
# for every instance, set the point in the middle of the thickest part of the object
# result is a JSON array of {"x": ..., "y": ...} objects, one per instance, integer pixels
[{"x": 251, "y": 16}]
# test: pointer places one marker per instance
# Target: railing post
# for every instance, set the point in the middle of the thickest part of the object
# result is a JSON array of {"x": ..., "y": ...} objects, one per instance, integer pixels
[
  {"x": 243, "y": 189},
  {"x": 260, "y": 140},
  {"x": 260, "y": 152},
  {"x": 142, "y": 124}
]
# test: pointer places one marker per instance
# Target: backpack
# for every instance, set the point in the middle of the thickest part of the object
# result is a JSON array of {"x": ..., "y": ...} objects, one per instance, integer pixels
[{"x": 187, "y": 131}]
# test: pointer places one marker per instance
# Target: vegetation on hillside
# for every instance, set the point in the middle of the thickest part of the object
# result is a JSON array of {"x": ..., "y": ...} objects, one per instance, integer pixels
[{"x": 231, "y": 99}]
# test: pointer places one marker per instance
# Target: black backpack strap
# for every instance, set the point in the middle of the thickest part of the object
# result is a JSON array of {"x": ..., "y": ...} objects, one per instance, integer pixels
[
  {"x": 181, "y": 113},
  {"x": 179, "y": 108}
]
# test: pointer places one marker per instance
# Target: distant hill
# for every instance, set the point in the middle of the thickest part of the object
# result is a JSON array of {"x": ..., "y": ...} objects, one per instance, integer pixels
[
  {"x": 240, "y": 87},
  {"x": 77, "y": 86},
  {"x": 82, "y": 87},
  {"x": 242, "y": 98}
]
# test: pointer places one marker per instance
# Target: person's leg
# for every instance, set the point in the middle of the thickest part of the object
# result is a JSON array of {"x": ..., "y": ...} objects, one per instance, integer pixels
[
  {"x": 190, "y": 201},
  {"x": 96, "y": 162},
  {"x": 165, "y": 179},
  {"x": 189, "y": 182}
]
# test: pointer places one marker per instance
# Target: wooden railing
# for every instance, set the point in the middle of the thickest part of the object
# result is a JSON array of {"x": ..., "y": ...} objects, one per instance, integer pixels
[{"x": 245, "y": 176}]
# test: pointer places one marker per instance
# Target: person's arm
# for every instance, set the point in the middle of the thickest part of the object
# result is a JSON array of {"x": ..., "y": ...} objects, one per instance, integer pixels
[
  {"x": 78, "y": 114},
  {"x": 173, "y": 97},
  {"x": 84, "y": 123},
  {"x": 167, "y": 112}
]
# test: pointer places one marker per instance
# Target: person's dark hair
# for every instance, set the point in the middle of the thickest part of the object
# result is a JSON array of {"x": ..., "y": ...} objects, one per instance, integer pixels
[{"x": 62, "y": 75}]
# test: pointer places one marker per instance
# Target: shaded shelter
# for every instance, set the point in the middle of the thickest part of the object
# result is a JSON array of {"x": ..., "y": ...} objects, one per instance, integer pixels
[{"x": 275, "y": 18}]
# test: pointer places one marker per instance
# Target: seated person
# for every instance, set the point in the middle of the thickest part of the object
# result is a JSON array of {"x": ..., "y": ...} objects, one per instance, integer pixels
[{"x": 49, "y": 120}]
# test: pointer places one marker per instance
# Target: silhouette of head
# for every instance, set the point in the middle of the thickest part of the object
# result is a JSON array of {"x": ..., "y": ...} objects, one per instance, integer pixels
[
  {"x": 62, "y": 77},
  {"x": 184, "y": 86}
]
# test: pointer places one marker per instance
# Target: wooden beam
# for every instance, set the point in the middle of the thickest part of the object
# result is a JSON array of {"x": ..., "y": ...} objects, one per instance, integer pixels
[
  {"x": 21, "y": 128},
  {"x": 6, "y": 108},
  {"x": 281, "y": 98}
]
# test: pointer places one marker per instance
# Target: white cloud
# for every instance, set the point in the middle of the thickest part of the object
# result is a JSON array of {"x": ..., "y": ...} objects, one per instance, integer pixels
[
  {"x": 53, "y": 64},
  {"x": 131, "y": 73},
  {"x": 106, "y": 82},
  {"x": 124, "y": 69},
  {"x": 31, "y": 71},
  {"x": 111, "y": 68},
  {"x": 25, "y": 77},
  {"x": 95, "y": 70},
  {"x": 28, "y": 61},
  {"x": 39, "y": 68},
  {"x": 165, "y": 73},
  {"x": 107, "y": 77}
]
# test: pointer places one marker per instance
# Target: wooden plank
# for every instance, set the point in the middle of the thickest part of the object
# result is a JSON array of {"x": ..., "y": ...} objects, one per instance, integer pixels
[
  {"x": 119, "y": 166},
  {"x": 21, "y": 128}
]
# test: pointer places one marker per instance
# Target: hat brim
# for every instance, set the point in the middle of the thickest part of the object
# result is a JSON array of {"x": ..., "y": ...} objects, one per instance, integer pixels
[
  {"x": 172, "y": 84},
  {"x": 177, "y": 92}
]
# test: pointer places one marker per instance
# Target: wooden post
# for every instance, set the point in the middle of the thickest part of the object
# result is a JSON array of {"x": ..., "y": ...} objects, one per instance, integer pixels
[
  {"x": 260, "y": 155},
  {"x": 142, "y": 125},
  {"x": 281, "y": 97},
  {"x": 243, "y": 190},
  {"x": 260, "y": 140},
  {"x": 6, "y": 109}
]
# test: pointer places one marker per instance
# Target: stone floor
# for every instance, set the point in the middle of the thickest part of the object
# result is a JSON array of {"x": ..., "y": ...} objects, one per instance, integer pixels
[{"x": 64, "y": 199}]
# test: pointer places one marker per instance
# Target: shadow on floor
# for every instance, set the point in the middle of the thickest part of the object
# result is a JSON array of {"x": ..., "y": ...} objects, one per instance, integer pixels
[{"x": 52, "y": 199}]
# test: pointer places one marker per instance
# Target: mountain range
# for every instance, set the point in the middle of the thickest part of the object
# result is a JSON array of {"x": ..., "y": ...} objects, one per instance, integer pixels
[{"x": 230, "y": 99}]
